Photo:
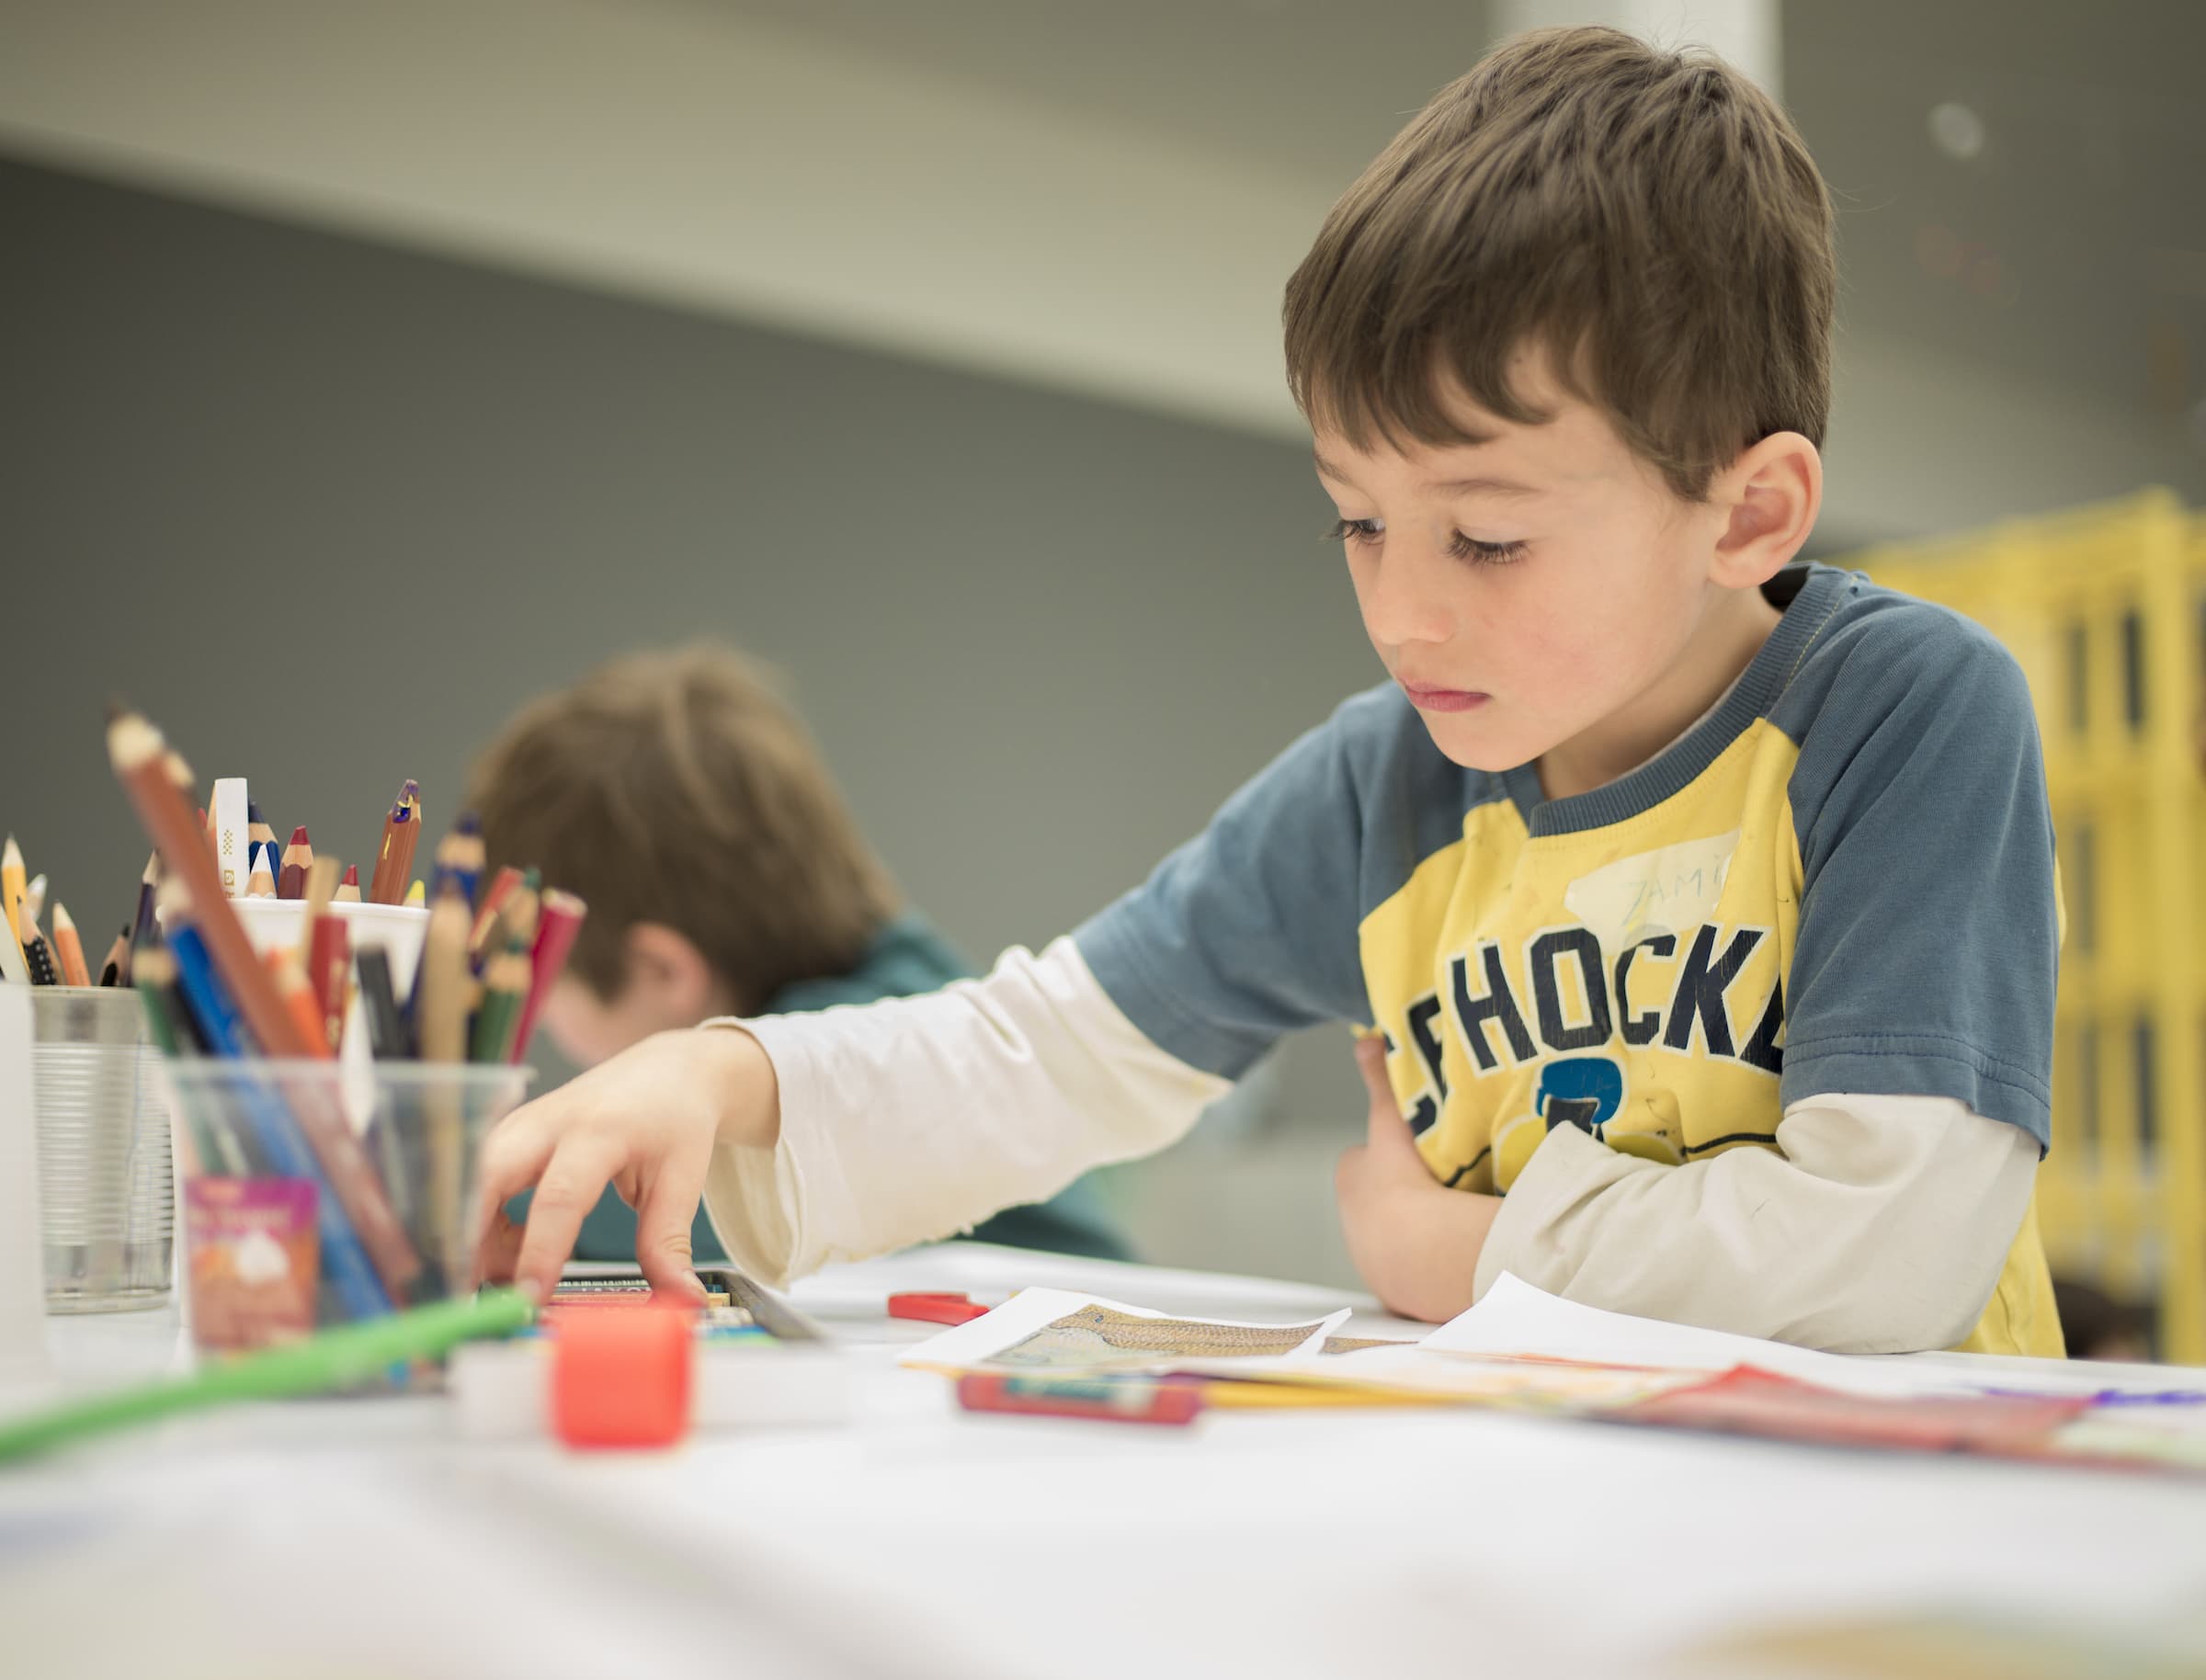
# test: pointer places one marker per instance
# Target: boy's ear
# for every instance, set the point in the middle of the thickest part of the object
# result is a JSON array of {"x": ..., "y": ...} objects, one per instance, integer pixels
[
  {"x": 1771, "y": 496},
  {"x": 669, "y": 973}
]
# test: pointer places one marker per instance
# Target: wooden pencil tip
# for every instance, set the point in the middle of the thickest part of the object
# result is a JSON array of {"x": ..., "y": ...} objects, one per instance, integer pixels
[
  {"x": 299, "y": 836},
  {"x": 132, "y": 741}
]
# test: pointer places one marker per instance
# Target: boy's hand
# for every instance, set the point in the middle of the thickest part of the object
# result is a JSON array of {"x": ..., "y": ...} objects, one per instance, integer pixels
[
  {"x": 644, "y": 1122},
  {"x": 1415, "y": 1241}
]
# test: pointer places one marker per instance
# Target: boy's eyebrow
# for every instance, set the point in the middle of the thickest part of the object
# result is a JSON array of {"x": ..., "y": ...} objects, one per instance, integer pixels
[{"x": 1458, "y": 486}]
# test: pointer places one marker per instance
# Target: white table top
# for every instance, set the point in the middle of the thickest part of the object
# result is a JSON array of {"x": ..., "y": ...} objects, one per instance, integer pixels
[{"x": 356, "y": 1536}]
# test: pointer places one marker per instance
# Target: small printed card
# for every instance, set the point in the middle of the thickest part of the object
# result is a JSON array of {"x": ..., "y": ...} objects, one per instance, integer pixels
[{"x": 255, "y": 1259}]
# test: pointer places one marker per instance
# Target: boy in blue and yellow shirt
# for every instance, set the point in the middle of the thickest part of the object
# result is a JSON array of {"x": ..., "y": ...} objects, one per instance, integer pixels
[{"x": 1703, "y": 901}]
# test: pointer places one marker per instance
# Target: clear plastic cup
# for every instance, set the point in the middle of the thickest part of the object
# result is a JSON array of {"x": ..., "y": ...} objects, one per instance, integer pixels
[
  {"x": 259, "y": 1213},
  {"x": 106, "y": 1197}
]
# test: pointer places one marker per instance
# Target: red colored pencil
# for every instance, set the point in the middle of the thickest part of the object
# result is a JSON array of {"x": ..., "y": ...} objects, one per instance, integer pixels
[
  {"x": 298, "y": 858},
  {"x": 328, "y": 963},
  {"x": 559, "y": 919},
  {"x": 394, "y": 858},
  {"x": 348, "y": 890}
]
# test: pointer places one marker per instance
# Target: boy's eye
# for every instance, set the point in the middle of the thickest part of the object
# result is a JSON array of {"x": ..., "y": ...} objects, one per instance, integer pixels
[
  {"x": 1484, "y": 554},
  {"x": 1462, "y": 547}
]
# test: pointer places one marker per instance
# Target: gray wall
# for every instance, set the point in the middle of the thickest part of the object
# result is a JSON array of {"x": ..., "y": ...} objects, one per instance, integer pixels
[{"x": 328, "y": 511}]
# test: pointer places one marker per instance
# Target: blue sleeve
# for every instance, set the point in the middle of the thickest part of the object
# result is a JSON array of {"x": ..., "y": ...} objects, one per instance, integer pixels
[
  {"x": 1249, "y": 930},
  {"x": 1929, "y": 917}
]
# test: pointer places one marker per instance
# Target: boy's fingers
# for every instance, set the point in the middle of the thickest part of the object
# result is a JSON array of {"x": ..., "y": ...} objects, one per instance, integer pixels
[
  {"x": 1386, "y": 1126},
  {"x": 498, "y": 1252},
  {"x": 512, "y": 1156},
  {"x": 663, "y": 1246},
  {"x": 570, "y": 1187}
]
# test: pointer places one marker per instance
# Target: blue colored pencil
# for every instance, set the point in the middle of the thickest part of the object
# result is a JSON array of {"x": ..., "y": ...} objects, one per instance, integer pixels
[{"x": 359, "y": 1292}]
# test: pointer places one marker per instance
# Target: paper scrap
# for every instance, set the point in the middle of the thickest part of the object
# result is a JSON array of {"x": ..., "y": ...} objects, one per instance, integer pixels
[{"x": 1063, "y": 1330}]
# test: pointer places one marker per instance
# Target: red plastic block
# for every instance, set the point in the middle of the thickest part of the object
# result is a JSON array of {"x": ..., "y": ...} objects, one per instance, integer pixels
[{"x": 621, "y": 1378}]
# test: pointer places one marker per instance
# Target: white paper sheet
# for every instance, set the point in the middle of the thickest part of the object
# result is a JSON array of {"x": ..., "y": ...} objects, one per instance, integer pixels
[{"x": 1515, "y": 1318}]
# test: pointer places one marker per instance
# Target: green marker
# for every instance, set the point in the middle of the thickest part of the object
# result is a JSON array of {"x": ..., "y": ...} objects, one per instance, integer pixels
[{"x": 335, "y": 1358}]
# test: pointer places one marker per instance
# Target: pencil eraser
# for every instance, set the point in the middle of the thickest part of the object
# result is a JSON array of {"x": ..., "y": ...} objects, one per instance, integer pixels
[{"x": 621, "y": 1378}]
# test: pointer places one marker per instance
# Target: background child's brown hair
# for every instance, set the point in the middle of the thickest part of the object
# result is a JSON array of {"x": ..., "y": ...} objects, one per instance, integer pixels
[{"x": 674, "y": 787}]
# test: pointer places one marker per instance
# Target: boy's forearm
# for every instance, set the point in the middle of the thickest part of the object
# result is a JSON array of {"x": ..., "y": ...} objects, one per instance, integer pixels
[
  {"x": 750, "y": 1092},
  {"x": 1882, "y": 1228}
]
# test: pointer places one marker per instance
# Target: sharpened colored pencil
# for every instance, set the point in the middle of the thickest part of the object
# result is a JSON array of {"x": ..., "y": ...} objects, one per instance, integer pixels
[
  {"x": 558, "y": 920},
  {"x": 348, "y": 890},
  {"x": 298, "y": 858},
  {"x": 395, "y": 857},
  {"x": 68, "y": 949},
  {"x": 12, "y": 887},
  {"x": 116, "y": 968},
  {"x": 38, "y": 958}
]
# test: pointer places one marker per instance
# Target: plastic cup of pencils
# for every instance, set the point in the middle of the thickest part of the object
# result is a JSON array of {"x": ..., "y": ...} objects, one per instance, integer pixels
[
  {"x": 106, "y": 1198},
  {"x": 318, "y": 1193}
]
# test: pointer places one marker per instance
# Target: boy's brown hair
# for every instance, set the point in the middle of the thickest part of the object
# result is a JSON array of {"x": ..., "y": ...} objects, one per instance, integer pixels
[
  {"x": 1649, "y": 219},
  {"x": 674, "y": 787}
]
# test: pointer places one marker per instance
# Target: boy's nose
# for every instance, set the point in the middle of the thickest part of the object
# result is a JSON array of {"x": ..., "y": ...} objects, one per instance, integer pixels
[{"x": 1404, "y": 601}]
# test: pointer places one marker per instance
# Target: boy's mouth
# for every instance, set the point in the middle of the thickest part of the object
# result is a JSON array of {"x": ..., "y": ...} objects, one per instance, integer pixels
[{"x": 1442, "y": 699}]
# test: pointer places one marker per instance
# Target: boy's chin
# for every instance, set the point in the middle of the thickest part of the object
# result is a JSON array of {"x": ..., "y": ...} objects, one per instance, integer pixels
[{"x": 1474, "y": 744}]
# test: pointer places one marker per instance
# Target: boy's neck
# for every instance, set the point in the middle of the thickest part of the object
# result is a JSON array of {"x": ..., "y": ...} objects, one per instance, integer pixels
[{"x": 1721, "y": 648}]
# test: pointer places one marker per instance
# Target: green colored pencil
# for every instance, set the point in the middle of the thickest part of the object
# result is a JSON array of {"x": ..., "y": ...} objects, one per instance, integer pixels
[{"x": 335, "y": 1358}]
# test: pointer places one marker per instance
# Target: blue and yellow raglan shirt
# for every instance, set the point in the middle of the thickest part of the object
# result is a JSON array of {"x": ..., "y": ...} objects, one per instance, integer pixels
[{"x": 1841, "y": 881}]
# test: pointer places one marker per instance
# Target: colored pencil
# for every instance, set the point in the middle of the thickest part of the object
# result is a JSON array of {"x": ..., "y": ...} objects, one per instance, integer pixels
[
  {"x": 68, "y": 949},
  {"x": 443, "y": 990},
  {"x": 135, "y": 746},
  {"x": 493, "y": 900},
  {"x": 348, "y": 890},
  {"x": 39, "y": 959},
  {"x": 416, "y": 895},
  {"x": 12, "y": 887},
  {"x": 34, "y": 905},
  {"x": 298, "y": 858},
  {"x": 394, "y": 858},
  {"x": 321, "y": 884},
  {"x": 169, "y": 1024},
  {"x": 443, "y": 987},
  {"x": 143, "y": 922},
  {"x": 461, "y": 852},
  {"x": 505, "y": 991},
  {"x": 297, "y": 995},
  {"x": 517, "y": 917},
  {"x": 260, "y": 881},
  {"x": 116, "y": 967},
  {"x": 328, "y": 963},
  {"x": 386, "y": 1026},
  {"x": 259, "y": 833},
  {"x": 558, "y": 921}
]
